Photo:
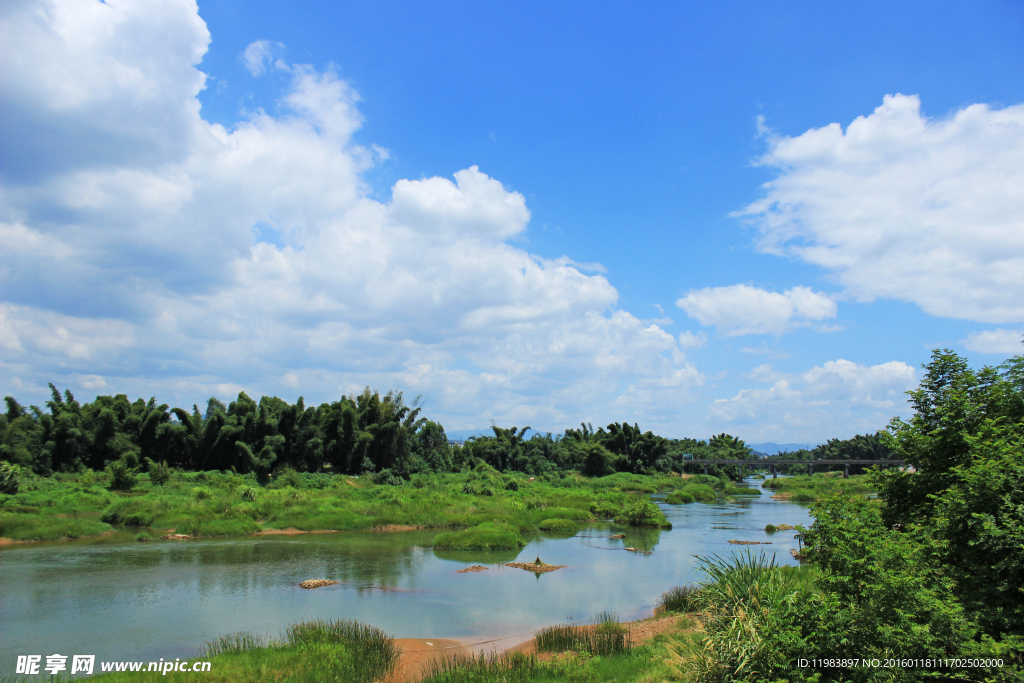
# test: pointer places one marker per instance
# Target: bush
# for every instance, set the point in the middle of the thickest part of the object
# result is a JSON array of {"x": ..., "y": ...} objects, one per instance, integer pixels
[
  {"x": 159, "y": 473},
  {"x": 679, "y": 498},
  {"x": 557, "y": 525},
  {"x": 201, "y": 493},
  {"x": 700, "y": 492},
  {"x": 9, "y": 478},
  {"x": 248, "y": 493},
  {"x": 122, "y": 477},
  {"x": 641, "y": 511},
  {"x": 511, "y": 484},
  {"x": 604, "y": 509}
]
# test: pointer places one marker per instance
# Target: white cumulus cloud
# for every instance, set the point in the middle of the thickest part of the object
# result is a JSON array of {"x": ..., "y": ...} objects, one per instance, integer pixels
[
  {"x": 743, "y": 309},
  {"x": 838, "y": 398},
  {"x": 900, "y": 206},
  {"x": 148, "y": 251},
  {"x": 996, "y": 341}
]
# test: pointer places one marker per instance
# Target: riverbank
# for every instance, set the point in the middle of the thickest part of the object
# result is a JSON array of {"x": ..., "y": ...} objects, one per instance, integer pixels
[
  {"x": 205, "y": 504},
  {"x": 316, "y": 651},
  {"x": 807, "y": 489}
]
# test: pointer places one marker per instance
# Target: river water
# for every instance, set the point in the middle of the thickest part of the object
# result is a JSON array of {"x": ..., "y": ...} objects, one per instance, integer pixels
[{"x": 123, "y": 600}]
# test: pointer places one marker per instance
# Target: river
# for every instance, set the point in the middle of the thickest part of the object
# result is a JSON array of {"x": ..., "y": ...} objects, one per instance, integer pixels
[{"x": 123, "y": 600}]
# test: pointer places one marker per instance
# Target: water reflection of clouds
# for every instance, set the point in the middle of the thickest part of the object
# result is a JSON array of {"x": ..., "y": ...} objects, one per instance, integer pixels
[{"x": 166, "y": 599}]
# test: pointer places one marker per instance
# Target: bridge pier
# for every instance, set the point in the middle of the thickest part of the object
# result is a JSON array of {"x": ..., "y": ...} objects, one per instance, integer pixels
[
  {"x": 743, "y": 470},
  {"x": 846, "y": 470},
  {"x": 774, "y": 475},
  {"x": 810, "y": 469},
  {"x": 705, "y": 469}
]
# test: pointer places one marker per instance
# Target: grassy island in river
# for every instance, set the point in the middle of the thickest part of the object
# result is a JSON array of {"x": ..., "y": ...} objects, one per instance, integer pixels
[{"x": 494, "y": 509}]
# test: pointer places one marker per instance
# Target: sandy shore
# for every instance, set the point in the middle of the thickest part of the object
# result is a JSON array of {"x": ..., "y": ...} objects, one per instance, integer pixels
[{"x": 417, "y": 653}]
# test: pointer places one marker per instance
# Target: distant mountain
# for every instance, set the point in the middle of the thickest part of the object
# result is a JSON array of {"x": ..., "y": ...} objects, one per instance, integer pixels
[
  {"x": 463, "y": 434},
  {"x": 776, "y": 448}
]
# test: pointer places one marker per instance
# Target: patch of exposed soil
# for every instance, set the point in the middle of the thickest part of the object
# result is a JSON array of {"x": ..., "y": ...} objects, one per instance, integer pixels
[
  {"x": 474, "y": 568},
  {"x": 417, "y": 653},
  {"x": 175, "y": 537},
  {"x": 316, "y": 583}
]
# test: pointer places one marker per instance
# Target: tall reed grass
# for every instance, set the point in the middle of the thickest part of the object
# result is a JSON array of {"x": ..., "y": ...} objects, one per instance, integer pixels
[
  {"x": 514, "y": 667},
  {"x": 607, "y": 638},
  {"x": 680, "y": 599}
]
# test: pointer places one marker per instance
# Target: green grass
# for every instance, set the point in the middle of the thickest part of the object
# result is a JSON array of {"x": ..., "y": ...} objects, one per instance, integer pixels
[
  {"x": 807, "y": 489},
  {"x": 680, "y": 599},
  {"x": 309, "y": 652},
  {"x": 679, "y": 498},
  {"x": 225, "y": 504},
  {"x": 556, "y": 524},
  {"x": 640, "y": 664},
  {"x": 486, "y": 536}
]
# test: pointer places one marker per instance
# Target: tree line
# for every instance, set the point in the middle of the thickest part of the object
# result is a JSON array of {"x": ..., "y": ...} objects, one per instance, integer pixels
[{"x": 367, "y": 432}]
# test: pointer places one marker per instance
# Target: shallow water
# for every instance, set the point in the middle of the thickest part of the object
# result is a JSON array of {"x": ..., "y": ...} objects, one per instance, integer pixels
[{"x": 120, "y": 599}]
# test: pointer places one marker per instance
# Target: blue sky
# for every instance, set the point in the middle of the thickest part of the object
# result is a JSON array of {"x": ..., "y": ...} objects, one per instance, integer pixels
[{"x": 745, "y": 217}]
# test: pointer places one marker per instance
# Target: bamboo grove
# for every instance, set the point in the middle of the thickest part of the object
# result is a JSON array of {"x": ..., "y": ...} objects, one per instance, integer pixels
[{"x": 364, "y": 433}]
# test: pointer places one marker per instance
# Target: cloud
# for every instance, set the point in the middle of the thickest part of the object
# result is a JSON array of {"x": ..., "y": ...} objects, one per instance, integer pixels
[
  {"x": 995, "y": 341},
  {"x": 904, "y": 207},
  {"x": 838, "y": 398},
  {"x": 691, "y": 340},
  {"x": 258, "y": 54},
  {"x": 742, "y": 309},
  {"x": 185, "y": 258}
]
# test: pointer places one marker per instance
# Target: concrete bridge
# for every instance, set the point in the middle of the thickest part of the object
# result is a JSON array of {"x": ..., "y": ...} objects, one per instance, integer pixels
[{"x": 771, "y": 464}]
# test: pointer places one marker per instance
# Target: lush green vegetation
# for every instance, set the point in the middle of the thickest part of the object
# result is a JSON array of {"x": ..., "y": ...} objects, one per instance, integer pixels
[
  {"x": 637, "y": 664},
  {"x": 220, "y": 504},
  {"x": 365, "y": 433},
  {"x": 486, "y": 536},
  {"x": 608, "y": 637},
  {"x": 930, "y": 568},
  {"x": 310, "y": 651},
  {"x": 806, "y": 489}
]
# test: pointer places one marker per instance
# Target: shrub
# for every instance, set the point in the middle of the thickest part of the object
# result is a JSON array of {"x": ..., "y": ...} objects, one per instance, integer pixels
[
  {"x": 511, "y": 484},
  {"x": 159, "y": 473},
  {"x": 486, "y": 491},
  {"x": 700, "y": 492},
  {"x": 467, "y": 488},
  {"x": 9, "y": 478},
  {"x": 248, "y": 493},
  {"x": 122, "y": 477},
  {"x": 557, "y": 525},
  {"x": 679, "y": 498},
  {"x": 201, "y": 493},
  {"x": 87, "y": 478},
  {"x": 604, "y": 509},
  {"x": 641, "y": 511}
]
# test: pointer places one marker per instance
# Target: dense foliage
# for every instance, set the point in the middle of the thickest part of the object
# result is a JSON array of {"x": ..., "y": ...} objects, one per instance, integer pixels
[
  {"x": 368, "y": 432},
  {"x": 929, "y": 570}
]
